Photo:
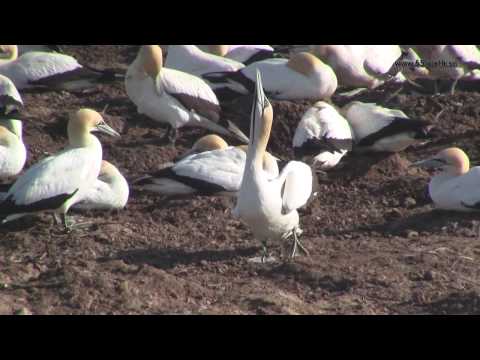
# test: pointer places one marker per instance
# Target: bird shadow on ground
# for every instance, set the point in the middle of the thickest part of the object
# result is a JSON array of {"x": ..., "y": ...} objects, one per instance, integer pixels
[
  {"x": 169, "y": 258},
  {"x": 301, "y": 273},
  {"x": 433, "y": 221},
  {"x": 357, "y": 165}
]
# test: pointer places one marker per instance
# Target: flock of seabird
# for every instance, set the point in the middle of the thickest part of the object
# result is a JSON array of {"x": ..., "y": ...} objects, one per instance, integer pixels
[{"x": 185, "y": 85}]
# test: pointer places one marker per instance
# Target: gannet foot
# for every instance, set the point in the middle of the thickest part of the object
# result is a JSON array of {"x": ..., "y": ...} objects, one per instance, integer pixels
[
  {"x": 298, "y": 244},
  {"x": 454, "y": 85},
  {"x": 265, "y": 258},
  {"x": 71, "y": 224}
]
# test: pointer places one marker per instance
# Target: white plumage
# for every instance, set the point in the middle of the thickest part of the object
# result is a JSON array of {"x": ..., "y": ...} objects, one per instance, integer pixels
[
  {"x": 192, "y": 60},
  {"x": 13, "y": 153},
  {"x": 457, "y": 186},
  {"x": 170, "y": 96},
  {"x": 110, "y": 191},
  {"x": 269, "y": 206},
  {"x": 323, "y": 134},
  {"x": 59, "y": 181},
  {"x": 302, "y": 77},
  {"x": 376, "y": 128}
]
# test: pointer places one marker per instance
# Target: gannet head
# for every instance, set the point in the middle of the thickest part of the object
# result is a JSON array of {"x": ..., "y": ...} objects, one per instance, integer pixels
[
  {"x": 206, "y": 143},
  {"x": 8, "y": 52},
  {"x": 10, "y": 99},
  {"x": 305, "y": 63},
  {"x": 108, "y": 170},
  {"x": 219, "y": 50},
  {"x": 84, "y": 122},
  {"x": 14, "y": 126},
  {"x": 451, "y": 160},
  {"x": 262, "y": 114},
  {"x": 151, "y": 58}
]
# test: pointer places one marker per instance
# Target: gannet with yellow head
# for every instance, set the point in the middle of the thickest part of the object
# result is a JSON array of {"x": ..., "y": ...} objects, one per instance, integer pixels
[
  {"x": 174, "y": 97},
  {"x": 210, "y": 168},
  {"x": 269, "y": 205},
  {"x": 59, "y": 181},
  {"x": 302, "y": 77},
  {"x": 456, "y": 187},
  {"x": 109, "y": 192}
]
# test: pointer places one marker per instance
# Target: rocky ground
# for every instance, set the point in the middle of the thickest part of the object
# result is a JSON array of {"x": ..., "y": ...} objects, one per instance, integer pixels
[{"x": 377, "y": 246}]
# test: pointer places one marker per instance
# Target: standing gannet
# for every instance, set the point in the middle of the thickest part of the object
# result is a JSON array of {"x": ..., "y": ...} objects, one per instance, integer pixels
[
  {"x": 324, "y": 135},
  {"x": 192, "y": 60},
  {"x": 173, "y": 97},
  {"x": 210, "y": 168},
  {"x": 450, "y": 62},
  {"x": 10, "y": 99},
  {"x": 302, "y": 77},
  {"x": 359, "y": 65},
  {"x": 48, "y": 70},
  {"x": 269, "y": 206},
  {"x": 109, "y": 192},
  {"x": 457, "y": 186},
  {"x": 376, "y": 128},
  {"x": 59, "y": 181},
  {"x": 245, "y": 54}
]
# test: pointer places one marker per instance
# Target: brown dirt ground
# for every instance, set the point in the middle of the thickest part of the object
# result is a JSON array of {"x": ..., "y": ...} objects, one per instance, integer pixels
[{"x": 377, "y": 246}]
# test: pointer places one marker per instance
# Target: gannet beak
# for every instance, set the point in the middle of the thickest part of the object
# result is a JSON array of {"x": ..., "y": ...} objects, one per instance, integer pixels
[
  {"x": 428, "y": 164},
  {"x": 261, "y": 98},
  {"x": 104, "y": 128}
]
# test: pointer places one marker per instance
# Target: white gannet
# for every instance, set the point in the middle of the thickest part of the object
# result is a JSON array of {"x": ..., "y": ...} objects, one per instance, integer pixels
[
  {"x": 302, "y": 77},
  {"x": 359, "y": 65},
  {"x": 449, "y": 62},
  {"x": 22, "y": 49},
  {"x": 109, "y": 192},
  {"x": 245, "y": 54},
  {"x": 49, "y": 70},
  {"x": 323, "y": 135},
  {"x": 59, "y": 181},
  {"x": 174, "y": 97},
  {"x": 10, "y": 99},
  {"x": 269, "y": 205},
  {"x": 13, "y": 153},
  {"x": 457, "y": 186},
  {"x": 210, "y": 168},
  {"x": 192, "y": 60},
  {"x": 376, "y": 128}
]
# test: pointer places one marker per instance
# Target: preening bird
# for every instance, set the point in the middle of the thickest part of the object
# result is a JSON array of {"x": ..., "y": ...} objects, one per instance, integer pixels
[
  {"x": 59, "y": 181},
  {"x": 49, "y": 70},
  {"x": 174, "y": 97},
  {"x": 376, "y": 128},
  {"x": 269, "y": 205},
  {"x": 456, "y": 187},
  {"x": 322, "y": 137}
]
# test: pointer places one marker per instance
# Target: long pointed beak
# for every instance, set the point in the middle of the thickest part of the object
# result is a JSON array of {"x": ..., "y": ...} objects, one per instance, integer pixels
[
  {"x": 427, "y": 164},
  {"x": 104, "y": 128}
]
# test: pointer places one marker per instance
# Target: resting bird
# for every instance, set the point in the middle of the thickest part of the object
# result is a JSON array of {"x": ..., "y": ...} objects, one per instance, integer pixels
[
  {"x": 269, "y": 205},
  {"x": 450, "y": 62},
  {"x": 302, "y": 77},
  {"x": 174, "y": 97},
  {"x": 456, "y": 187},
  {"x": 22, "y": 49},
  {"x": 192, "y": 60},
  {"x": 13, "y": 153},
  {"x": 59, "y": 181},
  {"x": 109, "y": 192},
  {"x": 49, "y": 70},
  {"x": 210, "y": 168},
  {"x": 359, "y": 65},
  {"x": 380, "y": 129},
  {"x": 245, "y": 54},
  {"x": 323, "y": 135}
]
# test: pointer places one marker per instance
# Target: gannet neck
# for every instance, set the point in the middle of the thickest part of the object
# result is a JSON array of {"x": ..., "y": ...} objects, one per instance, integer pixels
[
  {"x": 269, "y": 162},
  {"x": 15, "y": 126}
]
